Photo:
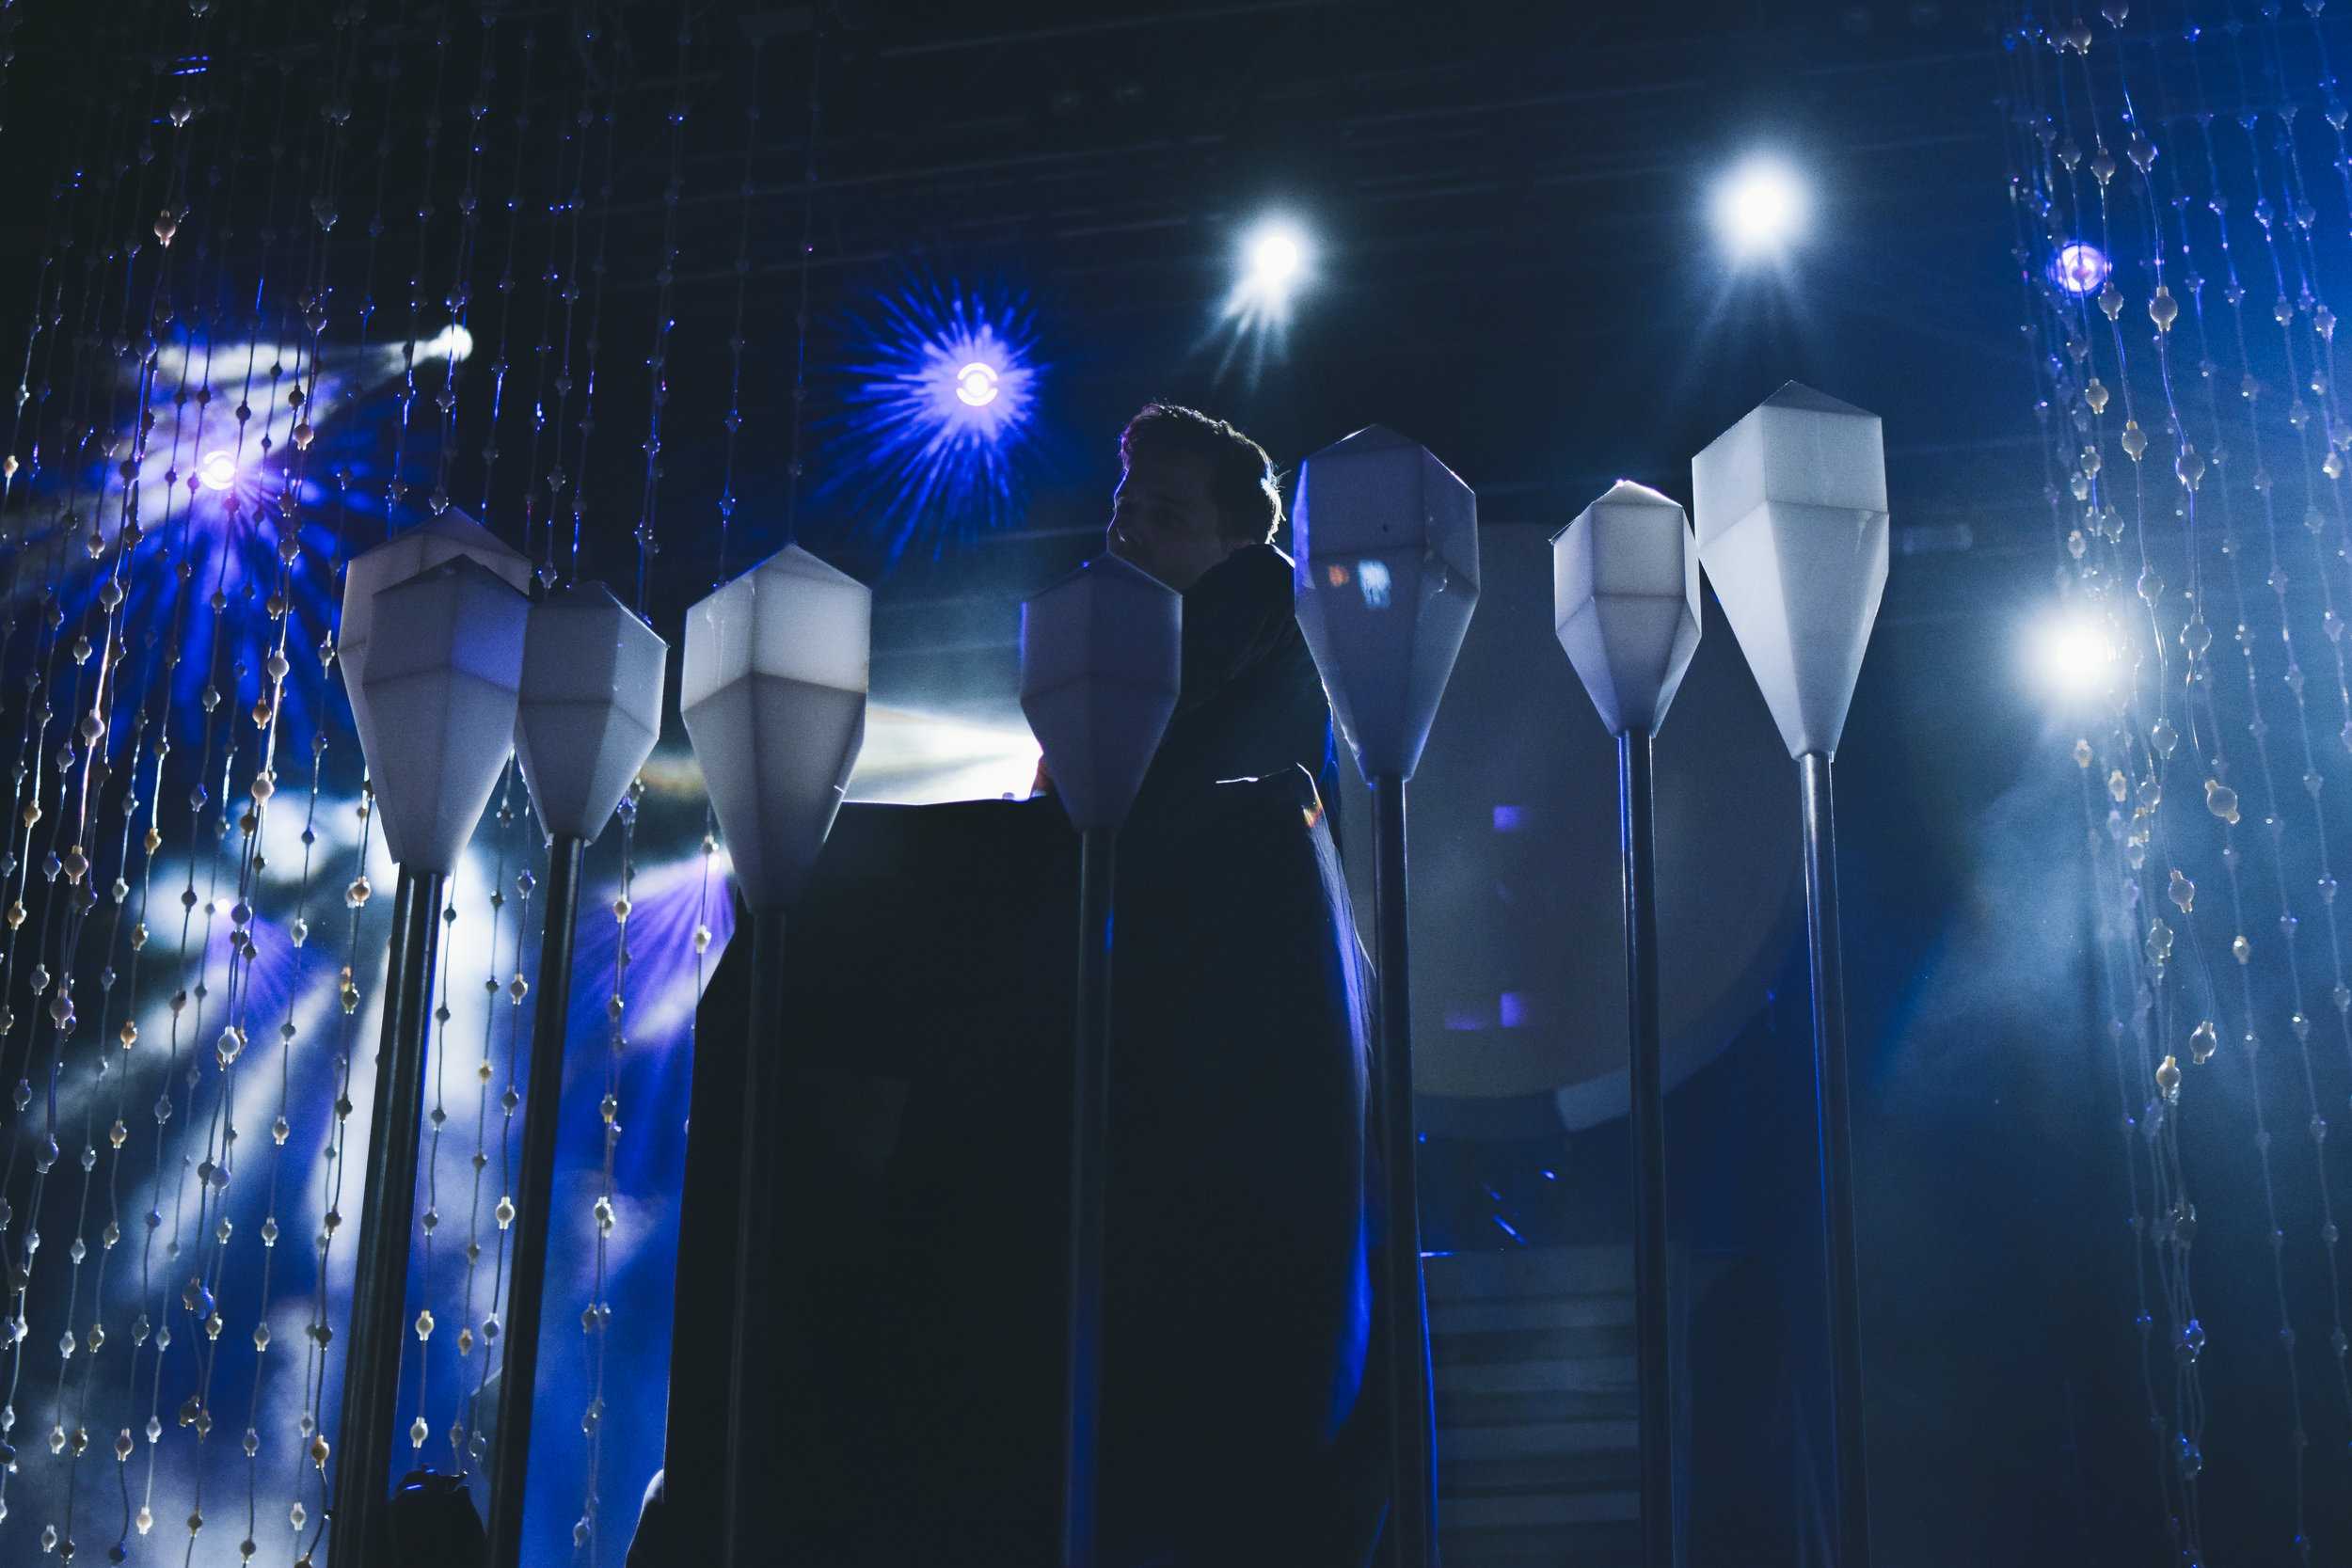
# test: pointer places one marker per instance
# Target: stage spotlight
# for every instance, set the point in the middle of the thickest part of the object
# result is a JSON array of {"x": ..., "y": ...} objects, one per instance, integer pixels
[
  {"x": 1275, "y": 257},
  {"x": 217, "y": 471},
  {"x": 2079, "y": 268},
  {"x": 977, "y": 383},
  {"x": 1760, "y": 206},
  {"x": 452, "y": 342},
  {"x": 1274, "y": 263},
  {"x": 2071, "y": 655},
  {"x": 941, "y": 408}
]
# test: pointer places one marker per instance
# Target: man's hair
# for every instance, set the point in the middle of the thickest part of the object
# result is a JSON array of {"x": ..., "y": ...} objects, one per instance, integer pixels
[{"x": 1241, "y": 476}]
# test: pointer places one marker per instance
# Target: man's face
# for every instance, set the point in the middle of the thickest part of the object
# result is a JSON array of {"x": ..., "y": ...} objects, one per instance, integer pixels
[{"x": 1163, "y": 520}]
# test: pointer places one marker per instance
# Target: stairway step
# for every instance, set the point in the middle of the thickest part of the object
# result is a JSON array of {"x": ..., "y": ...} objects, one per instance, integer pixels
[
  {"x": 1617, "y": 1342},
  {"x": 1528, "y": 1271},
  {"x": 1589, "y": 1374},
  {"x": 1538, "y": 1439},
  {"x": 1598, "y": 1544},
  {"x": 1538, "y": 1510},
  {"x": 1603, "y": 1470},
  {"x": 1459, "y": 1411},
  {"x": 1607, "y": 1309}
]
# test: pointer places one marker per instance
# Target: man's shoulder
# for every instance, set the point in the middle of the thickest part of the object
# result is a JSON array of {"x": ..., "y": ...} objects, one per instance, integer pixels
[{"x": 1252, "y": 572}]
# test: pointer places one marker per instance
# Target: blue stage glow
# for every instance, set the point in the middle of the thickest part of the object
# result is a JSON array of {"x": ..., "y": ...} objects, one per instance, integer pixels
[
  {"x": 941, "y": 408},
  {"x": 2079, "y": 268}
]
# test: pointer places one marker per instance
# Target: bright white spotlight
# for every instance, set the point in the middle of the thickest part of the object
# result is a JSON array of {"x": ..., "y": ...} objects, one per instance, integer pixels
[
  {"x": 452, "y": 342},
  {"x": 1275, "y": 258},
  {"x": 975, "y": 384},
  {"x": 2073, "y": 655},
  {"x": 1760, "y": 206},
  {"x": 217, "y": 471}
]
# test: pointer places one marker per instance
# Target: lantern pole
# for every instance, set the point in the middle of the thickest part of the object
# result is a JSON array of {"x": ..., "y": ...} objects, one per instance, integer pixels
[
  {"x": 587, "y": 716},
  {"x": 1790, "y": 504},
  {"x": 434, "y": 696},
  {"x": 1101, "y": 656},
  {"x": 1386, "y": 579},
  {"x": 1626, "y": 607}
]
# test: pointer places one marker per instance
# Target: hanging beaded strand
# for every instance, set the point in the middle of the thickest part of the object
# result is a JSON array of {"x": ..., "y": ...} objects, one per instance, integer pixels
[
  {"x": 79, "y": 895},
  {"x": 2126, "y": 756},
  {"x": 564, "y": 287},
  {"x": 317, "y": 1354},
  {"x": 202, "y": 1296},
  {"x": 593, "y": 343},
  {"x": 2196, "y": 639},
  {"x": 656, "y": 359},
  {"x": 2096, "y": 549},
  {"x": 456, "y": 301},
  {"x": 2297, "y": 1021},
  {"x": 736, "y": 340},
  {"x": 595, "y": 1320},
  {"x": 396, "y": 484},
  {"x": 465, "y": 1431},
  {"x": 2051, "y": 325},
  {"x": 96, "y": 731},
  {"x": 505, "y": 288}
]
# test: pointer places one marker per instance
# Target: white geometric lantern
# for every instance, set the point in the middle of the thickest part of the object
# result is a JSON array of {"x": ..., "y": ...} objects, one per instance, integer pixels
[
  {"x": 1790, "y": 505},
  {"x": 401, "y": 557},
  {"x": 590, "y": 707},
  {"x": 438, "y": 722},
  {"x": 1386, "y": 579},
  {"x": 1101, "y": 661},
  {"x": 1625, "y": 596},
  {"x": 773, "y": 695}
]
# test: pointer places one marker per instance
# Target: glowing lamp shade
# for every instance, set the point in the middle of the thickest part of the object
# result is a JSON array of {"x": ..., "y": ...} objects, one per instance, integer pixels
[
  {"x": 590, "y": 707},
  {"x": 774, "y": 694},
  {"x": 1101, "y": 656},
  {"x": 1386, "y": 579},
  {"x": 1624, "y": 595},
  {"x": 438, "y": 718},
  {"x": 403, "y": 556},
  {"x": 1790, "y": 505},
  {"x": 1760, "y": 206},
  {"x": 216, "y": 471},
  {"x": 2079, "y": 268}
]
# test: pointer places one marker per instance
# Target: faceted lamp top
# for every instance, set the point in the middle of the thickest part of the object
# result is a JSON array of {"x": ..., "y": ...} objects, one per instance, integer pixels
[
  {"x": 791, "y": 617},
  {"x": 1791, "y": 506},
  {"x": 438, "y": 722},
  {"x": 1101, "y": 661},
  {"x": 590, "y": 708},
  {"x": 1385, "y": 578},
  {"x": 774, "y": 694},
  {"x": 439, "y": 538},
  {"x": 1625, "y": 589}
]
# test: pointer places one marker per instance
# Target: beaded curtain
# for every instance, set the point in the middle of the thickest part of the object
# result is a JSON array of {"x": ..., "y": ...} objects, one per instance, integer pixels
[
  {"x": 2181, "y": 184},
  {"x": 310, "y": 276}
]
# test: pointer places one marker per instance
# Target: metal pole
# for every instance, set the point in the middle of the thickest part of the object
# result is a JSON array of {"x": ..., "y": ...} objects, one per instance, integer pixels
[
  {"x": 1413, "y": 1462},
  {"x": 1834, "y": 1127},
  {"x": 767, "y": 1408},
  {"x": 518, "y": 1372},
  {"x": 1089, "y": 1133},
  {"x": 379, "y": 1287},
  {"x": 1636, "y": 801}
]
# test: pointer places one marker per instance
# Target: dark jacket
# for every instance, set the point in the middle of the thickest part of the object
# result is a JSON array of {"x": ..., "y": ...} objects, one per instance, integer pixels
[{"x": 1252, "y": 704}]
